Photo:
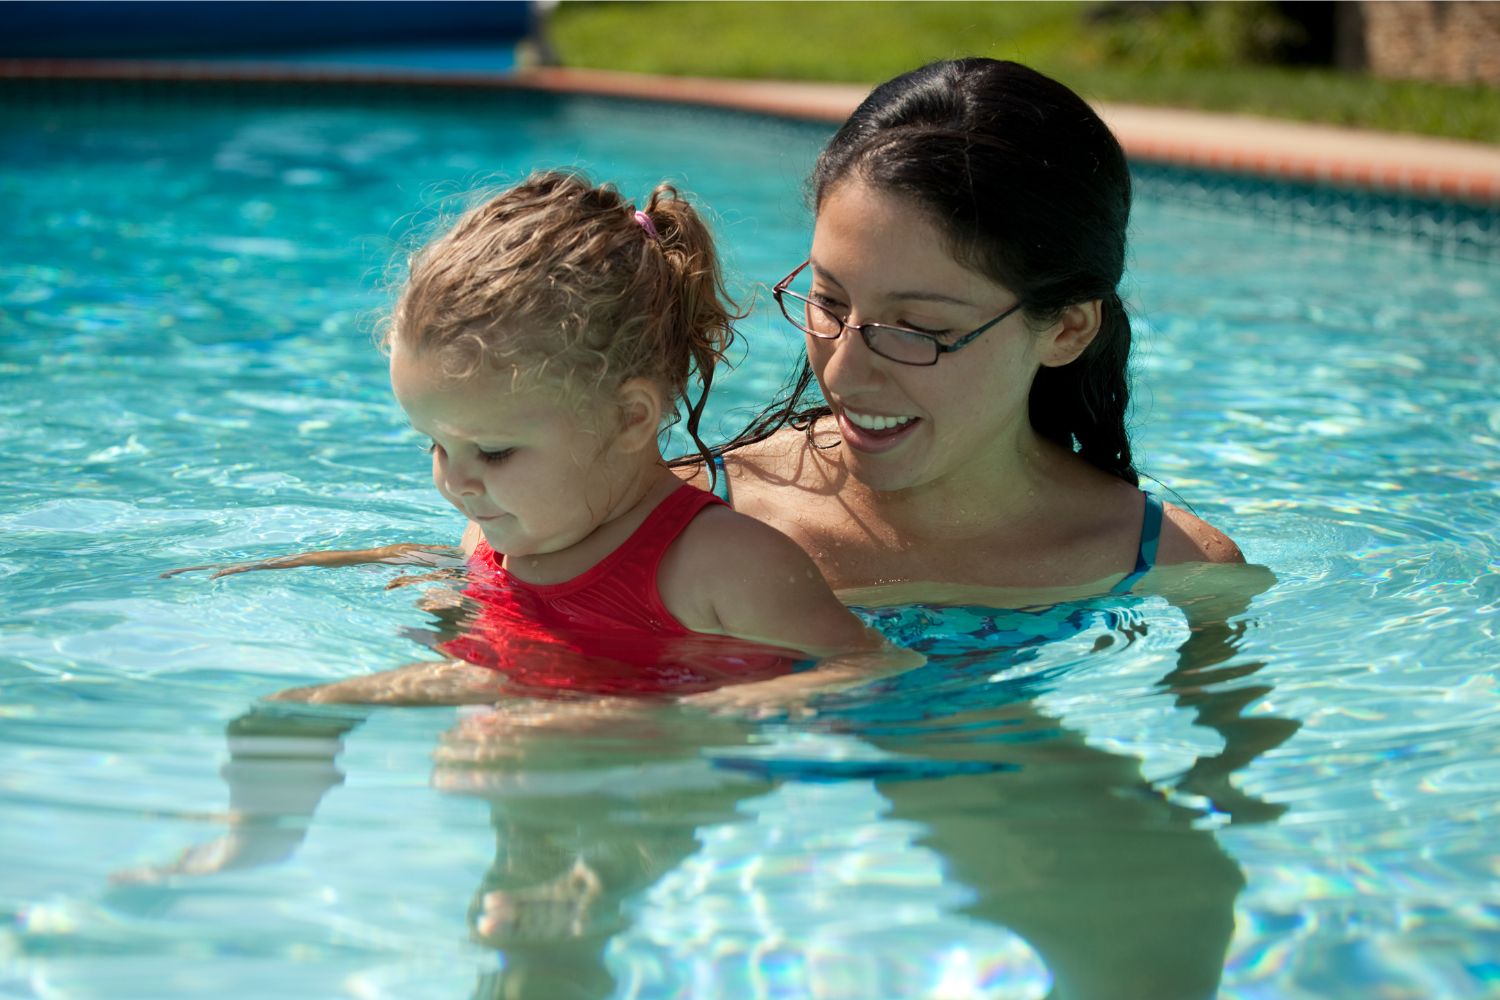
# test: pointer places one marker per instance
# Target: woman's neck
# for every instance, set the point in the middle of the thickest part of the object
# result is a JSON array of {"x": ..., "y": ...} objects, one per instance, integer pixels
[{"x": 1003, "y": 488}]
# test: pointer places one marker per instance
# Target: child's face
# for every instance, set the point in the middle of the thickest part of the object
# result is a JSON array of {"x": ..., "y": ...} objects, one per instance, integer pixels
[{"x": 531, "y": 468}]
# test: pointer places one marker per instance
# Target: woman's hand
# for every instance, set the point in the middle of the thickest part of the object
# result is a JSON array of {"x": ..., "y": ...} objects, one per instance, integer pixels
[
  {"x": 442, "y": 682},
  {"x": 407, "y": 553},
  {"x": 789, "y": 695},
  {"x": 781, "y": 696}
]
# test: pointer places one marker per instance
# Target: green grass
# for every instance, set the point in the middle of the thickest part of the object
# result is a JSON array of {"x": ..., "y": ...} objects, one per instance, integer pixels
[{"x": 1203, "y": 60}]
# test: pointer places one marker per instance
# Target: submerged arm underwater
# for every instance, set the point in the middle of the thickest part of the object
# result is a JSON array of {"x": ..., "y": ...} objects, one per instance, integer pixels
[
  {"x": 1116, "y": 882},
  {"x": 1216, "y": 618},
  {"x": 281, "y": 764},
  {"x": 791, "y": 693}
]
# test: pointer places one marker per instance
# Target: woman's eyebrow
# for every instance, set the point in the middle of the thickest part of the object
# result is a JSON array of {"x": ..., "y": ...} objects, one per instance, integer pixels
[{"x": 897, "y": 296}]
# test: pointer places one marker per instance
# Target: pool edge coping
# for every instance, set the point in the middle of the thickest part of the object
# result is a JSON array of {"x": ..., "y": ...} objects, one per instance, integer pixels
[{"x": 1327, "y": 155}]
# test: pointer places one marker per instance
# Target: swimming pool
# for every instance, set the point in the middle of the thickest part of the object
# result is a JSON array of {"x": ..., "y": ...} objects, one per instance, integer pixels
[{"x": 185, "y": 286}]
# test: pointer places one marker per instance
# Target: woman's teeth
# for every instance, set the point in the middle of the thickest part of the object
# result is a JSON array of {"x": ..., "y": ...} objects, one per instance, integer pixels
[{"x": 875, "y": 423}]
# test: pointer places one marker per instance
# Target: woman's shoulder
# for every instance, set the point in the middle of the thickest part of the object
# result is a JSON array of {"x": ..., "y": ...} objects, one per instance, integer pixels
[
  {"x": 780, "y": 458},
  {"x": 1188, "y": 538}
]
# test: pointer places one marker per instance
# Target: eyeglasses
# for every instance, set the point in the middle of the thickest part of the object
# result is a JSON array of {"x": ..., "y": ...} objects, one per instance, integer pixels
[{"x": 896, "y": 343}]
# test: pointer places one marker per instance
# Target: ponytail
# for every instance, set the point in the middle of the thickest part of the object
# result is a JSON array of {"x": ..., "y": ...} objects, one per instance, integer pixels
[{"x": 694, "y": 315}]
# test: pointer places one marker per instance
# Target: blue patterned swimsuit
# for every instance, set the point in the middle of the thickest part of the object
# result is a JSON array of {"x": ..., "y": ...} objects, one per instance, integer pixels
[{"x": 977, "y": 660}]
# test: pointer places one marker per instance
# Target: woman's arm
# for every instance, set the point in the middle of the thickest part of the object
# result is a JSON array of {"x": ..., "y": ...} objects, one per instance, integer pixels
[
  {"x": 1208, "y": 680},
  {"x": 443, "y": 682}
]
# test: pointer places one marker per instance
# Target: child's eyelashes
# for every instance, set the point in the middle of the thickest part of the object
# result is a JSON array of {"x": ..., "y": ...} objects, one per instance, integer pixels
[{"x": 488, "y": 457}]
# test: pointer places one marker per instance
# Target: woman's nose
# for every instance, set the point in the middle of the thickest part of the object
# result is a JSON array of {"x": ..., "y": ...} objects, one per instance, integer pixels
[{"x": 848, "y": 363}]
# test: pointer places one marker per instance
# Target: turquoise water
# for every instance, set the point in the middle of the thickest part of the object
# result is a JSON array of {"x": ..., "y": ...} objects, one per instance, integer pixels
[{"x": 186, "y": 376}]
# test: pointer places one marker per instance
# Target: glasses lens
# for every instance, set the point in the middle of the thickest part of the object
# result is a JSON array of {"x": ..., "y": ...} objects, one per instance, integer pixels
[
  {"x": 809, "y": 317},
  {"x": 901, "y": 345}
]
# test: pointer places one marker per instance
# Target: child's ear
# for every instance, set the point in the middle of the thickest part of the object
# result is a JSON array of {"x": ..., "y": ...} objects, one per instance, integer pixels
[
  {"x": 1071, "y": 335},
  {"x": 640, "y": 404}
]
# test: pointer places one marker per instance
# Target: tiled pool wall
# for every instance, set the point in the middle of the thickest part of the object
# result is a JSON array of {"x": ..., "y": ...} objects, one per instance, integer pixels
[
  {"x": 1464, "y": 229},
  {"x": 1450, "y": 228}
]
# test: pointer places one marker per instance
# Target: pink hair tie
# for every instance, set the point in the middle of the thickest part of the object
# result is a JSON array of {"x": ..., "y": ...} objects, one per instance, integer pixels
[{"x": 647, "y": 224}]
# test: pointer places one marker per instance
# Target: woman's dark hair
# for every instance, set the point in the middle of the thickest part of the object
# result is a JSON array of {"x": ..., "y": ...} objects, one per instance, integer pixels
[{"x": 1032, "y": 191}]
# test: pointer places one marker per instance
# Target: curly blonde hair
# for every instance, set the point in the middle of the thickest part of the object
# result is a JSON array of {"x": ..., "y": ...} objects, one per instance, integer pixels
[{"x": 557, "y": 281}]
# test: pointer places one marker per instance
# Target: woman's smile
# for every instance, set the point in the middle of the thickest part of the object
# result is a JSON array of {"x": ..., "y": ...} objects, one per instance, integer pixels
[
  {"x": 874, "y": 433},
  {"x": 875, "y": 421}
]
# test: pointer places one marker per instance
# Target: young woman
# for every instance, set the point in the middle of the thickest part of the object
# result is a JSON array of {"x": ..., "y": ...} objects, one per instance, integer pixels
[{"x": 962, "y": 321}]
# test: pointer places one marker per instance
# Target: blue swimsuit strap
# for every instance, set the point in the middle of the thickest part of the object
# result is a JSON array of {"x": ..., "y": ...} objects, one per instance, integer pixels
[
  {"x": 721, "y": 480},
  {"x": 1145, "y": 556}
]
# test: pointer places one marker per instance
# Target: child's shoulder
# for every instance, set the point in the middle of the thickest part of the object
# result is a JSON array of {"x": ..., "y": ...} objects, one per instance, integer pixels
[
  {"x": 719, "y": 532},
  {"x": 725, "y": 559}
]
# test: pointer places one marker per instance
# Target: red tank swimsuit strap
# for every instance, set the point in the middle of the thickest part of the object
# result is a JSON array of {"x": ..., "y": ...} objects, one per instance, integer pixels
[
  {"x": 632, "y": 568},
  {"x": 626, "y": 578},
  {"x": 636, "y": 561}
]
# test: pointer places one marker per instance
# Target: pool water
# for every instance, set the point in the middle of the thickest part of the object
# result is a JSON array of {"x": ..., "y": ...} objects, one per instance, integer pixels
[{"x": 1292, "y": 797}]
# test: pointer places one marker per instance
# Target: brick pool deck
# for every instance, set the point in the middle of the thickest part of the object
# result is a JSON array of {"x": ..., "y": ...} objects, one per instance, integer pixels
[{"x": 1341, "y": 157}]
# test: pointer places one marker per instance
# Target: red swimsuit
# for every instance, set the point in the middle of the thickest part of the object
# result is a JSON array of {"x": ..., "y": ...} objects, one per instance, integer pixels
[{"x": 606, "y": 630}]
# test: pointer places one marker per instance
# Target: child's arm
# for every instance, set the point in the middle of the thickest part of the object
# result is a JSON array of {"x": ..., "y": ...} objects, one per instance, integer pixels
[
  {"x": 439, "y": 557},
  {"x": 404, "y": 554},
  {"x": 730, "y": 574}
]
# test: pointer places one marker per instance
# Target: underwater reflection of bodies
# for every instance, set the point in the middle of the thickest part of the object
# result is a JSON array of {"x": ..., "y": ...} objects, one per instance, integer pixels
[
  {"x": 938, "y": 833},
  {"x": 647, "y": 849},
  {"x": 591, "y": 804},
  {"x": 966, "y": 823}
]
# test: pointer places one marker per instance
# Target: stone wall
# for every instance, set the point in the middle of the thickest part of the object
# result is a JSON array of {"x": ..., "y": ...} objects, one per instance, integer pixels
[{"x": 1451, "y": 41}]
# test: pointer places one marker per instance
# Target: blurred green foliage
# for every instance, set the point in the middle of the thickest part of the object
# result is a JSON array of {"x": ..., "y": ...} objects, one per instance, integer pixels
[
  {"x": 1192, "y": 35},
  {"x": 1214, "y": 56}
]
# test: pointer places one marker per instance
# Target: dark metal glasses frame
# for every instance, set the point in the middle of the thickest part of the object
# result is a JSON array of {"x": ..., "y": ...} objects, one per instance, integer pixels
[{"x": 875, "y": 334}]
